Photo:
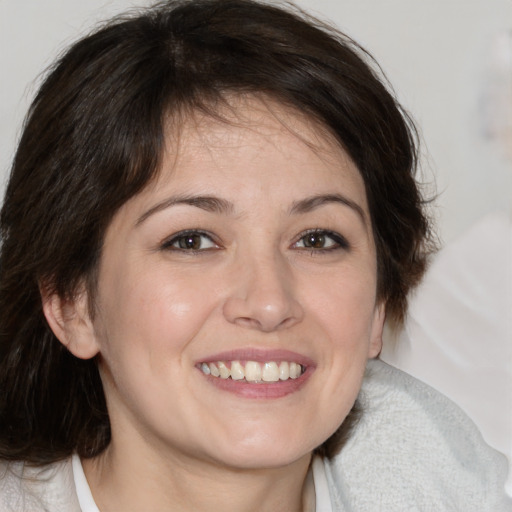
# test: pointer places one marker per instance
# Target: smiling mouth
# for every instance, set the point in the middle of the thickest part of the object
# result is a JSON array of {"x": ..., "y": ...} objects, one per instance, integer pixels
[{"x": 253, "y": 371}]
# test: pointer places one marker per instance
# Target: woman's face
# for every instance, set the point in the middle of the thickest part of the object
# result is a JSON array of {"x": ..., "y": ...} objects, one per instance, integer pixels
[{"x": 251, "y": 257}]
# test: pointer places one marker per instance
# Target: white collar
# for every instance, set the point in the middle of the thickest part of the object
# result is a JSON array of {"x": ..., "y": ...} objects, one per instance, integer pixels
[
  {"x": 83, "y": 491},
  {"x": 322, "y": 495}
]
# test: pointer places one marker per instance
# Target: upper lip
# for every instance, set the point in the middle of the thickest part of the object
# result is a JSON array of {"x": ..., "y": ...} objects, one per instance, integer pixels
[{"x": 259, "y": 355}]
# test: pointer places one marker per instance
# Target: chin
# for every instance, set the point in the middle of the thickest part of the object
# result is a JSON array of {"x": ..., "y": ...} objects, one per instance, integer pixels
[
  {"x": 265, "y": 461},
  {"x": 266, "y": 452}
]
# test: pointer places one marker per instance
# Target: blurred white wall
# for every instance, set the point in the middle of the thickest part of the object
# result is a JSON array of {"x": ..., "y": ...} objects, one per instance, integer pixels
[{"x": 436, "y": 54}]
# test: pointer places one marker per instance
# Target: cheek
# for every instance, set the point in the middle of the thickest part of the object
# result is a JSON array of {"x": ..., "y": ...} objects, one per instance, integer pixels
[
  {"x": 344, "y": 306},
  {"x": 149, "y": 316},
  {"x": 145, "y": 330},
  {"x": 345, "y": 314}
]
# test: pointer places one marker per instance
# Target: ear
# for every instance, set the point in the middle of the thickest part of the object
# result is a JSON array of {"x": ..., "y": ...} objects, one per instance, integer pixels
[
  {"x": 379, "y": 318},
  {"x": 70, "y": 322}
]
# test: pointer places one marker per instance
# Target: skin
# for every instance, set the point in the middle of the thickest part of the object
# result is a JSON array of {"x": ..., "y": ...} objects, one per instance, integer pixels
[{"x": 252, "y": 283}]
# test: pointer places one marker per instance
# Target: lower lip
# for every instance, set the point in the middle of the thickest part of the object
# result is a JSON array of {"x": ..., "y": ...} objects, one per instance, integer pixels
[{"x": 261, "y": 390}]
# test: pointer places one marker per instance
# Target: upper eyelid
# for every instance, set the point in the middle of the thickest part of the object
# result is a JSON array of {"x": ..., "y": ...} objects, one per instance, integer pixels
[
  {"x": 168, "y": 241},
  {"x": 321, "y": 231},
  {"x": 337, "y": 237}
]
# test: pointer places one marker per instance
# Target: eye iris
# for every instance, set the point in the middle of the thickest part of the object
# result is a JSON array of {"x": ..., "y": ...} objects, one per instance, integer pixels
[
  {"x": 314, "y": 240},
  {"x": 190, "y": 242}
]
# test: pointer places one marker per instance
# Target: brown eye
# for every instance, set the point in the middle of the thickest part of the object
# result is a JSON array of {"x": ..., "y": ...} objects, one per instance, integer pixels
[
  {"x": 314, "y": 241},
  {"x": 190, "y": 241},
  {"x": 321, "y": 240}
]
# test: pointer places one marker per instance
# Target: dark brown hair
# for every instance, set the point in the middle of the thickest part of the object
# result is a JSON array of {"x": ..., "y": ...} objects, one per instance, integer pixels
[{"x": 94, "y": 137}]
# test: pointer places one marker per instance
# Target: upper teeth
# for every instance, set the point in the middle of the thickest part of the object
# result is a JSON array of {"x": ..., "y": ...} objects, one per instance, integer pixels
[{"x": 253, "y": 371}]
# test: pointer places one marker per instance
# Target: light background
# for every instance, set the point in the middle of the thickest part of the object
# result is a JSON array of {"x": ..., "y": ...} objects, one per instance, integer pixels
[{"x": 437, "y": 54}]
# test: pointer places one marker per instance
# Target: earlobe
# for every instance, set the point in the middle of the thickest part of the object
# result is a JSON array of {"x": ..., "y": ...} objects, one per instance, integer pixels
[
  {"x": 377, "y": 328},
  {"x": 70, "y": 322}
]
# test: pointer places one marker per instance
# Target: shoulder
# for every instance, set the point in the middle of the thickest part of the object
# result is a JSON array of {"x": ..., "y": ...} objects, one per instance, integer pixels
[
  {"x": 415, "y": 450},
  {"x": 25, "y": 488}
]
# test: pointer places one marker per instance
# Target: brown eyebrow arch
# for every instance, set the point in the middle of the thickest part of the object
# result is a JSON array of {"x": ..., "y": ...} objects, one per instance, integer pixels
[
  {"x": 312, "y": 203},
  {"x": 208, "y": 203}
]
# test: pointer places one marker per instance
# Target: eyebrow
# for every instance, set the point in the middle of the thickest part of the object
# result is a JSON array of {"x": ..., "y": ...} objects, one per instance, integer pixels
[
  {"x": 222, "y": 206},
  {"x": 207, "y": 203},
  {"x": 312, "y": 203}
]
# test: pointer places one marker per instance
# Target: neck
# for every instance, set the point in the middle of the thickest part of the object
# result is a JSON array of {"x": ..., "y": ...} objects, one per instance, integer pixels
[{"x": 122, "y": 481}]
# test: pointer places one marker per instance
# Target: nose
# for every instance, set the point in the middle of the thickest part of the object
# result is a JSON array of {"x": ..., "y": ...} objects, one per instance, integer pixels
[{"x": 263, "y": 295}]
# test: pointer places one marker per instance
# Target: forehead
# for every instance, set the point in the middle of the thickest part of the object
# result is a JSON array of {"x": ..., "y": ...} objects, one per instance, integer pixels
[{"x": 253, "y": 139}]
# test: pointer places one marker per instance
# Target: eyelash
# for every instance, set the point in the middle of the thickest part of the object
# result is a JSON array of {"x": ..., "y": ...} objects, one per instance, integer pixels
[
  {"x": 188, "y": 235},
  {"x": 339, "y": 242}
]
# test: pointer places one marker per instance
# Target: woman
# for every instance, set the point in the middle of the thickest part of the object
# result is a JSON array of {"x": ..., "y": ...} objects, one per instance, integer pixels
[{"x": 210, "y": 214}]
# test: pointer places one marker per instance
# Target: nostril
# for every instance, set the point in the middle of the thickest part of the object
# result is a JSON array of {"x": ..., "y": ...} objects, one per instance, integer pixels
[{"x": 247, "y": 322}]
